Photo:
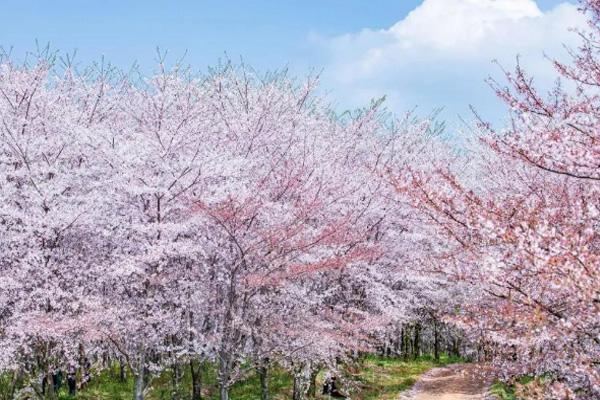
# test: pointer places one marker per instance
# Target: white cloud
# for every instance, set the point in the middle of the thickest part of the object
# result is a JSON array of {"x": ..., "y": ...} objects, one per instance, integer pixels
[{"x": 441, "y": 52}]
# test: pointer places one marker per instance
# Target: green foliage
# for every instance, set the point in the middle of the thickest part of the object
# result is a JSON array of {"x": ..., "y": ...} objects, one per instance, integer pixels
[
  {"x": 503, "y": 391},
  {"x": 506, "y": 391},
  {"x": 6, "y": 386}
]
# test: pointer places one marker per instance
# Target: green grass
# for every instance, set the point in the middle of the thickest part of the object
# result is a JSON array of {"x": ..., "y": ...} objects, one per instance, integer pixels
[
  {"x": 280, "y": 385},
  {"x": 505, "y": 391},
  {"x": 371, "y": 378}
]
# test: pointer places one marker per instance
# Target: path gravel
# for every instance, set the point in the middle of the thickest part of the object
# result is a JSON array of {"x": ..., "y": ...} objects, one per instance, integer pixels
[{"x": 454, "y": 382}]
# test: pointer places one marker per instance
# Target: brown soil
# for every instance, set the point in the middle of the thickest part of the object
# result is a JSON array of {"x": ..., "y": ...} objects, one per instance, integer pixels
[{"x": 455, "y": 382}]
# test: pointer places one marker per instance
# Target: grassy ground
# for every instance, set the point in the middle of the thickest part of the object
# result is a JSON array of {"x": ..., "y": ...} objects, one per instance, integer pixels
[
  {"x": 370, "y": 379},
  {"x": 504, "y": 391}
]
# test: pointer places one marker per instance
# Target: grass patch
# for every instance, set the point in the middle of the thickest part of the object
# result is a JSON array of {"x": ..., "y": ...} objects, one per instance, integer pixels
[
  {"x": 280, "y": 386},
  {"x": 503, "y": 391},
  {"x": 507, "y": 391}
]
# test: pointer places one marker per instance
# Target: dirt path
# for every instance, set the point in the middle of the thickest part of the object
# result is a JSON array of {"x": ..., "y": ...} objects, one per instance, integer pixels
[{"x": 455, "y": 382}]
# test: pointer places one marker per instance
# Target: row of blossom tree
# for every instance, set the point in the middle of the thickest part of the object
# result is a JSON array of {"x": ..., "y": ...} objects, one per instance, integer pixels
[
  {"x": 234, "y": 218},
  {"x": 177, "y": 219}
]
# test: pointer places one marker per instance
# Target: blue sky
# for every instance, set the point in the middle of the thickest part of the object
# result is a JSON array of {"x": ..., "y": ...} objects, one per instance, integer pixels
[{"x": 338, "y": 36}]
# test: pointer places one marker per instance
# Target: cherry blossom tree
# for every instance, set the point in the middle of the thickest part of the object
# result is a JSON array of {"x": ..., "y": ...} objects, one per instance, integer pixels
[
  {"x": 48, "y": 183},
  {"x": 522, "y": 231},
  {"x": 289, "y": 199},
  {"x": 153, "y": 156}
]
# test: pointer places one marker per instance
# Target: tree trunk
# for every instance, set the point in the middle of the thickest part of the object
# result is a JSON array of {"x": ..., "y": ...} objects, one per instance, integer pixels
[
  {"x": 122, "y": 371},
  {"x": 139, "y": 385},
  {"x": 312, "y": 388},
  {"x": 72, "y": 380},
  {"x": 436, "y": 341},
  {"x": 224, "y": 372},
  {"x": 223, "y": 392},
  {"x": 297, "y": 394},
  {"x": 196, "y": 372},
  {"x": 456, "y": 347},
  {"x": 85, "y": 365},
  {"x": 409, "y": 342},
  {"x": 263, "y": 374},
  {"x": 72, "y": 384},
  {"x": 402, "y": 343},
  {"x": 300, "y": 384},
  {"x": 15, "y": 381},
  {"x": 50, "y": 393},
  {"x": 175, "y": 379},
  {"x": 140, "y": 378},
  {"x": 417, "y": 341}
]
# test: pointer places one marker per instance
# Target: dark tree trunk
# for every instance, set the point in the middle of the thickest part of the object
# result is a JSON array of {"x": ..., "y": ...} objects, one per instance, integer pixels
[
  {"x": 417, "y": 341},
  {"x": 263, "y": 374},
  {"x": 402, "y": 343},
  {"x": 122, "y": 370},
  {"x": 196, "y": 372},
  {"x": 436, "y": 341},
  {"x": 72, "y": 384},
  {"x": 456, "y": 347},
  {"x": 408, "y": 344},
  {"x": 72, "y": 380},
  {"x": 175, "y": 380},
  {"x": 224, "y": 375}
]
